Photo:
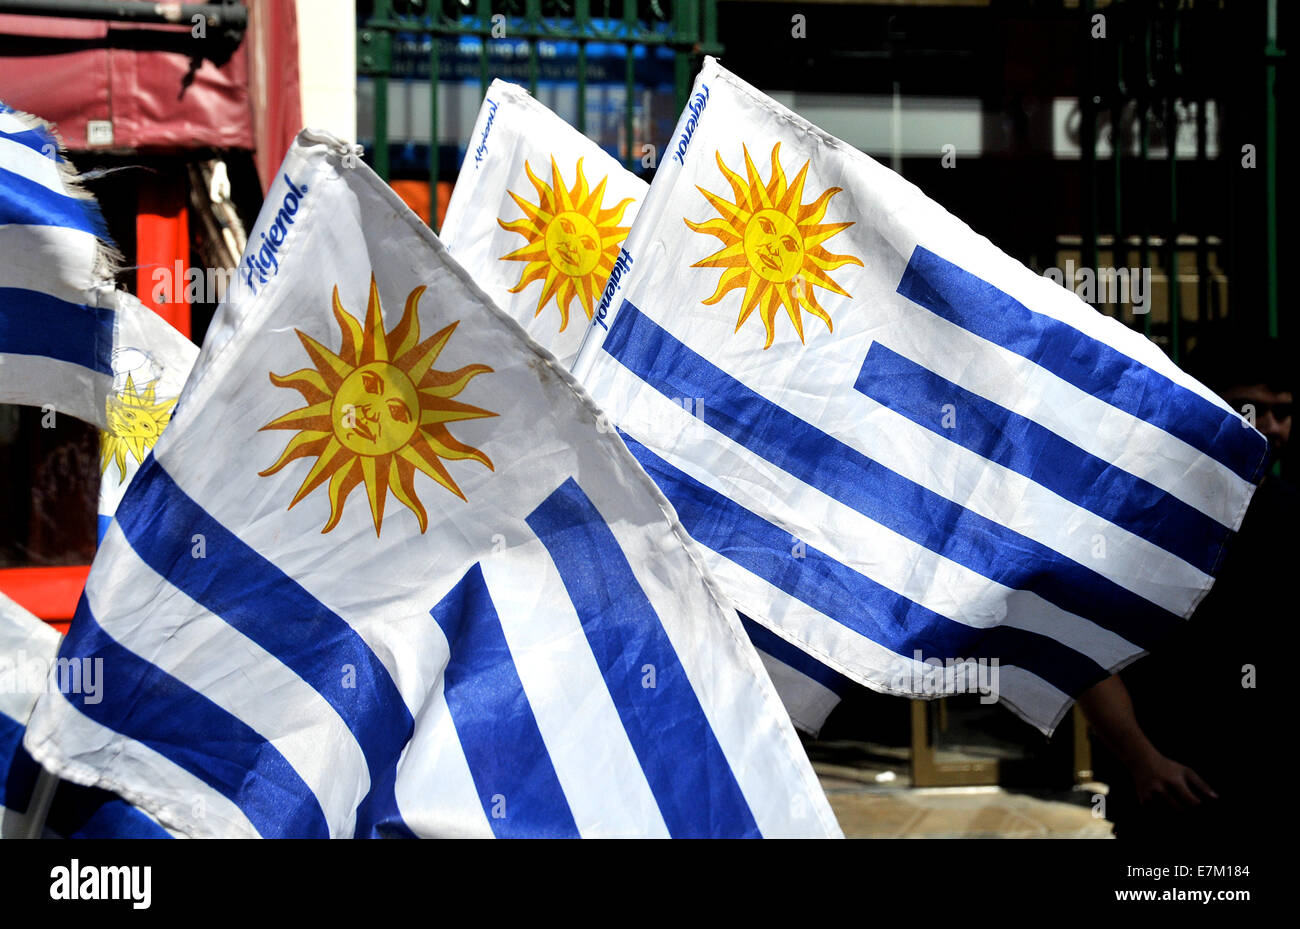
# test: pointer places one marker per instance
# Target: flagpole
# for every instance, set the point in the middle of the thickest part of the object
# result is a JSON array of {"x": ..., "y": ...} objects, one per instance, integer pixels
[{"x": 39, "y": 807}]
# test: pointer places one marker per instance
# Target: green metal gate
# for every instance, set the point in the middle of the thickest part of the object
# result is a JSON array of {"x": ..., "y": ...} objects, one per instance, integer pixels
[
  {"x": 687, "y": 27},
  {"x": 1149, "y": 68}
]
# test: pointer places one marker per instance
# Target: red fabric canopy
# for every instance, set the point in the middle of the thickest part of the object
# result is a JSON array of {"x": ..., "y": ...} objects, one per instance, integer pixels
[{"x": 146, "y": 82}]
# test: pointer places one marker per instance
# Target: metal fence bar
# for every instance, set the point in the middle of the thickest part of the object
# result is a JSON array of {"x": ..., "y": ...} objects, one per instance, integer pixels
[
  {"x": 581, "y": 20},
  {"x": 1119, "y": 249},
  {"x": 484, "y": 71},
  {"x": 1204, "y": 311},
  {"x": 1171, "y": 239},
  {"x": 687, "y": 17},
  {"x": 376, "y": 59},
  {"x": 1088, "y": 145},
  {"x": 533, "y": 18},
  {"x": 629, "y": 101},
  {"x": 1144, "y": 154},
  {"x": 1272, "y": 54},
  {"x": 435, "y": 153}
]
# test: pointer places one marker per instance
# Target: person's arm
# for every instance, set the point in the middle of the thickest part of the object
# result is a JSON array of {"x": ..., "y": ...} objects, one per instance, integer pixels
[{"x": 1109, "y": 710}]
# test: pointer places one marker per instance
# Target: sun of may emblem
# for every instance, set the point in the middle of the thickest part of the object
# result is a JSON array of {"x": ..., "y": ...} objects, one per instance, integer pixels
[
  {"x": 772, "y": 245},
  {"x": 377, "y": 411},
  {"x": 573, "y": 240},
  {"x": 135, "y": 420}
]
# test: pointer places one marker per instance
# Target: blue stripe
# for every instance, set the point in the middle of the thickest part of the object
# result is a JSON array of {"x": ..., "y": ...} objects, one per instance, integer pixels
[
  {"x": 91, "y": 813},
  {"x": 34, "y": 323},
  {"x": 17, "y": 769},
  {"x": 250, "y": 593},
  {"x": 853, "y": 599},
  {"x": 37, "y": 140},
  {"x": 517, "y": 784},
  {"x": 683, "y": 763},
  {"x": 150, "y": 706},
  {"x": 24, "y": 202},
  {"x": 842, "y": 472},
  {"x": 768, "y": 642},
  {"x": 102, "y": 523},
  {"x": 1094, "y": 367},
  {"x": 1026, "y": 447}
]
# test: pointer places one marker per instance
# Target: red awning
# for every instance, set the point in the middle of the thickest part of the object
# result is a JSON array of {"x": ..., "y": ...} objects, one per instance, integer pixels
[
  {"x": 137, "y": 79},
  {"x": 144, "y": 85}
]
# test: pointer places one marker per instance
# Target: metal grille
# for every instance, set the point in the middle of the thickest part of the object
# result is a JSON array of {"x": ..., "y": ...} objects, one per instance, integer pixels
[
  {"x": 1157, "y": 92},
  {"x": 686, "y": 27}
]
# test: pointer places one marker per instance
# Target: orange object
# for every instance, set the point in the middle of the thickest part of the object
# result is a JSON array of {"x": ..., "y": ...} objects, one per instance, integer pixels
[
  {"x": 50, "y": 593},
  {"x": 162, "y": 234},
  {"x": 415, "y": 194}
]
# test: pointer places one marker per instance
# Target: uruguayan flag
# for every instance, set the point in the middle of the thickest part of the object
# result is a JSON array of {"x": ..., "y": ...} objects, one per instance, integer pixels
[
  {"x": 387, "y": 575},
  {"x": 538, "y": 216},
  {"x": 69, "y": 341},
  {"x": 28, "y": 666},
  {"x": 904, "y": 452}
]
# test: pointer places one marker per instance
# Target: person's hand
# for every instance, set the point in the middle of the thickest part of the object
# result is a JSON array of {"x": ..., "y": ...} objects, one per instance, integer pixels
[{"x": 1161, "y": 781}]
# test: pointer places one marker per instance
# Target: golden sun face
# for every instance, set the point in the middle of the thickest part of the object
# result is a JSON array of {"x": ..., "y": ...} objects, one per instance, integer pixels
[
  {"x": 377, "y": 412},
  {"x": 135, "y": 420},
  {"x": 572, "y": 244},
  {"x": 772, "y": 245}
]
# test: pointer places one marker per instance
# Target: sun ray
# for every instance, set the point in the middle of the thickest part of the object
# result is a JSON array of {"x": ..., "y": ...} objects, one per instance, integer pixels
[
  {"x": 425, "y": 459},
  {"x": 772, "y": 245},
  {"x": 377, "y": 412},
  {"x": 532, "y": 212},
  {"x": 332, "y": 367},
  {"x": 316, "y": 416},
  {"x": 427, "y": 352},
  {"x": 351, "y": 329},
  {"x": 449, "y": 411},
  {"x": 450, "y": 383},
  {"x": 401, "y": 479},
  {"x": 331, "y": 458},
  {"x": 307, "y": 382},
  {"x": 406, "y": 334},
  {"x": 441, "y": 441},
  {"x": 373, "y": 345},
  {"x": 341, "y": 485},
  {"x": 374, "y": 473},
  {"x": 302, "y": 445}
]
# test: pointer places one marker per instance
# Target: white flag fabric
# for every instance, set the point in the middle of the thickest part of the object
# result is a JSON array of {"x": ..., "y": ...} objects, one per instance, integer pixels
[
  {"x": 150, "y": 363},
  {"x": 538, "y": 216},
  {"x": 387, "y": 576},
  {"x": 28, "y": 666},
  {"x": 903, "y": 451},
  {"x": 24, "y": 641},
  {"x": 68, "y": 339}
]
